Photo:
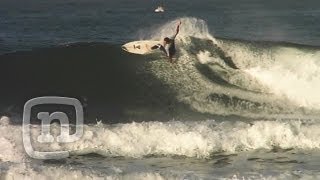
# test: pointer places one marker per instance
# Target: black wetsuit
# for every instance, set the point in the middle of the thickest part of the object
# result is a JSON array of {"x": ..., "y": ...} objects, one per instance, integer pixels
[{"x": 168, "y": 48}]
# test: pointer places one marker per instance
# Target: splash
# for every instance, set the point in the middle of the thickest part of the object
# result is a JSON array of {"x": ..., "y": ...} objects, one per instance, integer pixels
[
  {"x": 289, "y": 72},
  {"x": 294, "y": 74},
  {"x": 193, "y": 27},
  {"x": 208, "y": 79}
]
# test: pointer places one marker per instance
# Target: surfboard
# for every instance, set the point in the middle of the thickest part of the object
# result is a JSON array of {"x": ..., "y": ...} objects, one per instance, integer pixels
[{"x": 140, "y": 47}]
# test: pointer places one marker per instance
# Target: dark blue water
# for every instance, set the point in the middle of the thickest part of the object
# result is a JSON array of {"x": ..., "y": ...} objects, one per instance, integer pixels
[{"x": 33, "y": 23}]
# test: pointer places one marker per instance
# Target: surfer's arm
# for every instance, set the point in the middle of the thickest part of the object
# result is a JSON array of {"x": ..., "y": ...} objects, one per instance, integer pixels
[
  {"x": 177, "y": 30},
  {"x": 164, "y": 50}
]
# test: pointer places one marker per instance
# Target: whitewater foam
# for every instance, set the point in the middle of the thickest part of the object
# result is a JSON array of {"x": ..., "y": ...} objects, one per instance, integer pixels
[
  {"x": 294, "y": 74},
  {"x": 289, "y": 71},
  {"x": 10, "y": 141},
  {"x": 191, "y": 139},
  {"x": 194, "y": 139},
  {"x": 210, "y": 75},
  {"x": 190, "y": 26}
]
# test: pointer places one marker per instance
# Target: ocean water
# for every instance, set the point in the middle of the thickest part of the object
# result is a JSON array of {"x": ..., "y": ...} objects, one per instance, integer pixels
[{"x": 241, "y": 102}]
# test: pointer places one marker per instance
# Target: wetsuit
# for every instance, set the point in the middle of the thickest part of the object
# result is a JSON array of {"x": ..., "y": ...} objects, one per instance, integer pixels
[{"x": 168, "y": 48}]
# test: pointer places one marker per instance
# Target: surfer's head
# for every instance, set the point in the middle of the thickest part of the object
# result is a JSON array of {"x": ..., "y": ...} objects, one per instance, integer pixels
[{"x": 167, "y": 40}]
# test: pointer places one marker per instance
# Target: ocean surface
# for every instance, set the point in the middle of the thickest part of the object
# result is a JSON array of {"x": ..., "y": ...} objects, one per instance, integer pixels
[{"x": 242, "y": 100}]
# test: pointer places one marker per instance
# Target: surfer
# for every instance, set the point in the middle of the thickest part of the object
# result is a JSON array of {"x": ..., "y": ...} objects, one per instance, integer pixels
[{"x": 168, "y": 46}]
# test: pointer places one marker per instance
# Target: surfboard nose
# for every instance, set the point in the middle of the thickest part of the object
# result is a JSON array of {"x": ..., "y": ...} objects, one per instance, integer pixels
[{"x": 124, "y": 48}]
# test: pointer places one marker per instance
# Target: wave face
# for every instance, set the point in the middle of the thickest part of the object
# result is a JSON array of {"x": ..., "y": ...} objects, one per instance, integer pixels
[{"x": 212, "y": 78}]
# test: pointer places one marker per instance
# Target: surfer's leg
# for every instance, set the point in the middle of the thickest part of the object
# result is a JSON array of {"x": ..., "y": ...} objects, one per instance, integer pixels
[
  {"x": 156, "y": 46},
  {"x": 170, "y": 59},
  {"x": 172, "y": 52}
]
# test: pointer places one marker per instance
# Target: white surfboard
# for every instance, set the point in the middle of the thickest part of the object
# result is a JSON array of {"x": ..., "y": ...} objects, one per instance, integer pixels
[{"x": 140, "y": 47}]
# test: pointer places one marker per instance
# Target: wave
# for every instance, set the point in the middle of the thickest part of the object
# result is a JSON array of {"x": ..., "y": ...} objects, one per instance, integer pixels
[
  {"x": 204, "y": 143},
  {"x": 200, "y": 139},
  {"x": 254, "y": 79},
  {"x": 286, "y": 69},
  {"x": 195, "y": 139},
  {"x": 213, "y": 78},
  {"x": 261, "y": 95}
]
